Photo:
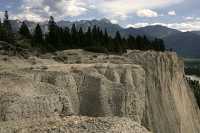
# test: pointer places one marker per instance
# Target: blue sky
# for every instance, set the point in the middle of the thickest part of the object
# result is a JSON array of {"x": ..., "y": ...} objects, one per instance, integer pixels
[{"x": 179, "y": 14}]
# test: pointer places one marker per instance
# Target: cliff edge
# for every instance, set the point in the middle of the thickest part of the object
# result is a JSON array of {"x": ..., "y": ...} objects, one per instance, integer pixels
[{"x": 133, "y": 91}]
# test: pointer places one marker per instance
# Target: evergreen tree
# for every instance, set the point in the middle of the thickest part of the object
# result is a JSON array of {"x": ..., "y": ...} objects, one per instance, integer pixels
[
  {"x": 131, "y": 43},
  {"x": 74, "y": 30},
  {"x": 161, "y": 45},
  {"x": 158, "y": 45},
  {"x": 0, "y": 23},
  {"x": 66, "y": 38},
  {"x": 139, "y": 43},
  {"x": 88, "y": 37},
  {"x": 37, "y": 37},
  {"x": 74, "y": 36},
  {"x": 52, "y": 38},
  {"x": 6, "y": 22},
  {"x": 118, "y": 37},
  {"x": 106, "y": 37},
  {"x": 24, "y": 31},
  {"x": 52, "y": 23},
  {"x": 81, "y": 38},
  {"x": 94, "y": 32},
  {"x": 7, "y": 34},
  {"x": 93, "y": 39},
  {"x": 1, "y": 32},
  {"x": 118, "y": 48}
]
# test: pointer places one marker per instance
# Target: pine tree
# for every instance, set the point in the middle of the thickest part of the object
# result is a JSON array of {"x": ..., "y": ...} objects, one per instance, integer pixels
[
  {"x": 146, "y": 43},
  {"x": 94, "y": 32},
  {"x": 0, "y": 23},
  {"x": 162, "y": 45},
  {"x": 118, "y": 41},
  {"x": 131, "y": 43},
  {"x": 8, "y": 36},
  {"x": 106, "y": 35},
  {"x": 74, "y": 30},
  {"x": 24, "y": 31},
  {"x": 81, "y": 38},
  {"x": 66, "y": 38},
  {"x": 38, "y": 37},
  {"x": 88, "y": 37},
  {"x": 139, "y": 43},
  {"x": 1, "y": 31},
  {"x": 158, "y": 45},
  {"x": 52, "y": 23},
  {"x": 6, "y": 22},
  {"x": 74, "y": 36},
  {"x": 52, "y": 38}
]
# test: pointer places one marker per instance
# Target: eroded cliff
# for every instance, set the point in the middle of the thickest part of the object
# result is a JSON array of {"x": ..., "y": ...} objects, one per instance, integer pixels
[{"x": 144, "y": 87}]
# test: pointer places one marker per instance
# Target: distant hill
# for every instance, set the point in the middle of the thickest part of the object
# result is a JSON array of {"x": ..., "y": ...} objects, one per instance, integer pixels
[
  {"x": 102, "y": 23},
  {"x": 152, "y": 31},
  {"x": 186, "y": 44},
  {"x": 196, "y": 32}
]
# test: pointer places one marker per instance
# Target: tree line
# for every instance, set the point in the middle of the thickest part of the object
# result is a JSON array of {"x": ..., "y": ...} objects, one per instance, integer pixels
[
  {"x": 94, "y": 39},
  {"x": 6, "y": 30}
]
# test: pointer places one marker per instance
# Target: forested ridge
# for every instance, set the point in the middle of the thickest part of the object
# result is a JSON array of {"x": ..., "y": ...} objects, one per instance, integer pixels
[{"x": 57, "y": 38}]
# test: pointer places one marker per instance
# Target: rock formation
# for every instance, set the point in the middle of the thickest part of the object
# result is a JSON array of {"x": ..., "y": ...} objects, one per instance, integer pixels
[{"x": 78, "y": 91}]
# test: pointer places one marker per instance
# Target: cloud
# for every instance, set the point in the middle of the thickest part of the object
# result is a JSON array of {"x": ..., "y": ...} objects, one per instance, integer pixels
[
  {"x": 114, "y": 21},
  {"x": 38, "y": 10},
  {"x": 172, "y": 13},
  {"x": 26, "y": 15},
  {"x": 125, "y": 7},
  {"x": 147, "y": 13},
  {"x": 137, "y": 25},
  {"x": 189, "y": 18},
  {"x": 184, "y": 26}
]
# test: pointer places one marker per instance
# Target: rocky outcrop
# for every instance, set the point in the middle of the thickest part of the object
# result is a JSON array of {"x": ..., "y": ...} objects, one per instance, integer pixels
[
  {"x": 140, "y": 88},
  {"x": 170, "y": 104},
  {"x": 88, "y": 89},
  {"x": 91, "y": 90}
]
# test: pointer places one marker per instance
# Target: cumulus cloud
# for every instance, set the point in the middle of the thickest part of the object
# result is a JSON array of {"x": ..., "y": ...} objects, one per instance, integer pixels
[
  {"x": 114, "y": 9},
  {"x": 147, "y": 13},
  {"x": 189, "y": 18},
  {"x": 39, "y": 10},
  {"x": 114, "y": 21},
  {"x": 184, "y": 26},
  {"x": 125, "y": 7},
  {"x": 197, "y": 19},
  {"x": 137, "y": 25},
  {"x": 172, "y": 13}
]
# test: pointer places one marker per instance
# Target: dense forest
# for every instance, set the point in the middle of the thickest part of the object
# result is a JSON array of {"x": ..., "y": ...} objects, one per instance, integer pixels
[
  {"x": 195, "y": 86},
  {"x": 94, "y": 39}
]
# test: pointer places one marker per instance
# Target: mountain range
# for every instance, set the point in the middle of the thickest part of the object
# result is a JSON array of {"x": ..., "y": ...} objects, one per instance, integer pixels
[{"x": 186, "y": 44}]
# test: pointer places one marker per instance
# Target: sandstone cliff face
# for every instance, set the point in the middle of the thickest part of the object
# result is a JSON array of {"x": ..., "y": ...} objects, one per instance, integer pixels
[
  {"x": 144, "y": 87},
  {"x": 170, "y": 104},
  {"x": 88, "y": 89}
]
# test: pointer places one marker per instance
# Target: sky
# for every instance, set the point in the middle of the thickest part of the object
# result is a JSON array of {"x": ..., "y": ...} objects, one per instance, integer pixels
[{"x": 183, "y": 15}]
